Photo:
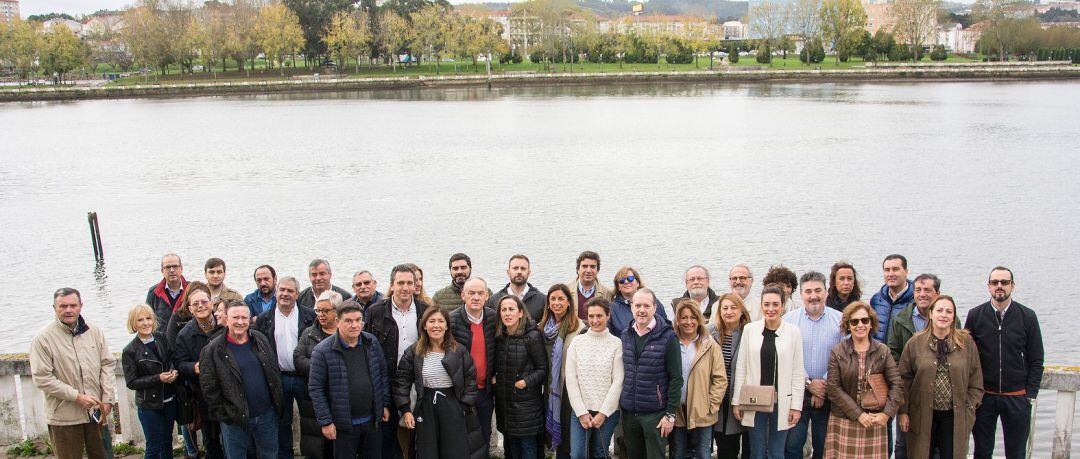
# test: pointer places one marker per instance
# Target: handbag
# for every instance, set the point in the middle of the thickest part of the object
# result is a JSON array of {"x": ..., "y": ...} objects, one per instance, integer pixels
[
  {"x": 761, "y": 399},
  {"x": 875, "y": 392}
]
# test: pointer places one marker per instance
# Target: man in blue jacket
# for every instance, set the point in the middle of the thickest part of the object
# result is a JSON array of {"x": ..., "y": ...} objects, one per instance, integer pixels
[
  {"x": 1010, "y": 345},
  {"x": 897, "y": 294},
  {"x": 349, "y": 386}
]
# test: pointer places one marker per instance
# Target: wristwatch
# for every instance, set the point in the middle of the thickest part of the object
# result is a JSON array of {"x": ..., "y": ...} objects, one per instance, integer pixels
[{"x": 670, "y": 417}]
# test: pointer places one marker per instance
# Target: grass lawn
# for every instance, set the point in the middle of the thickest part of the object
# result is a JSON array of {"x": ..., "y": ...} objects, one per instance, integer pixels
[{"x": 448, "y": 68}]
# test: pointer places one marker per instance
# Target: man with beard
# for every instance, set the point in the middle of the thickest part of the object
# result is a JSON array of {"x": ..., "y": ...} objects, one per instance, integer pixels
[
  {"x": 164, "y": 295},
  {"x": 697, "y": 289},
  {"x": 820, "y": 329},
  {"x": 263, "y": 298},
  {"x": 449, "y": 298},
  {"x": 319, "y": 274},
  {"x": 586, "y": 287},
  {"x": 518, "y": 271},
  {"x": 1010, "y": 345},
  {"x": 741, "y": 280}
]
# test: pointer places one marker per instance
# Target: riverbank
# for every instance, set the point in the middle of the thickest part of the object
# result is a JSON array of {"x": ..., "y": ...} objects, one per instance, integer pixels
[{"x": 913, "y": 72}]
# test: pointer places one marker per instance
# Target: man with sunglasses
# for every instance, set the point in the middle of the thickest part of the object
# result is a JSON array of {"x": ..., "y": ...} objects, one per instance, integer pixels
[
  {"x": 366, "y": 289},
  {"x": 1010, "y": 347}
]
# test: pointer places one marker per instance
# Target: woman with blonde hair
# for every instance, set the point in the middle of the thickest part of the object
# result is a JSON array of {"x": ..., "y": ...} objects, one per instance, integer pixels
[
  {"x": 864, "y": 389},
  {"x": 148, "y": 370},
  {"x": 942, "y": 375},
  {"x": 729, "y": 318},
  {"x": 704, "y": 383}
]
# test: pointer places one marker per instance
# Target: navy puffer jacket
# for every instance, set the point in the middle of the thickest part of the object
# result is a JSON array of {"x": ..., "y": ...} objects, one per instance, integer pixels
[
  {"x": 645, "y": 379},
  {"x": 887, "y": 309},
  {"x": 328, "y": 383}
]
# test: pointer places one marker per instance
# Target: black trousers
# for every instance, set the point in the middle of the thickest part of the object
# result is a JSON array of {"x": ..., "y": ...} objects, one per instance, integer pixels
[
  {"x": 728, "y": 446},
  {"x": 440, "y": 426},
  {"x": 364, "y": 442},
  {"x": 941, "y": 433},
  {"x": 1015, "y": 413}
]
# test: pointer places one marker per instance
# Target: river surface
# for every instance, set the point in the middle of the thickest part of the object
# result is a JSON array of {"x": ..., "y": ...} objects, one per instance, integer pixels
[{"x": 958, "y": 176}]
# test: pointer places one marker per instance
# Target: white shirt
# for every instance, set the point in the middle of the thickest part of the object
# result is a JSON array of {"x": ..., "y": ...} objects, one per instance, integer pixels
[
  {"x": 286, "y": 335},
  {"x": 406, "y": 324},
  {"x": 475, "y": 320}
]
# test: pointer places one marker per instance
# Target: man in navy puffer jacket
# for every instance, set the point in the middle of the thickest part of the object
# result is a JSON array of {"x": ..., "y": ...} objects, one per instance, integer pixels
[
  {"x": 897, "y": 294},
  {"x": 349, "y": 387}
]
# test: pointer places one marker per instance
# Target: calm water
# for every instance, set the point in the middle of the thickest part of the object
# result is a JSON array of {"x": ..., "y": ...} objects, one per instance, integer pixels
[{"x": 958, "y": 176}]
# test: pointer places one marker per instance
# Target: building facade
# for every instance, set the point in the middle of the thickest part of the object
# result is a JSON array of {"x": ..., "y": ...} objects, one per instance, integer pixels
[{"x": 9, "y": 10}]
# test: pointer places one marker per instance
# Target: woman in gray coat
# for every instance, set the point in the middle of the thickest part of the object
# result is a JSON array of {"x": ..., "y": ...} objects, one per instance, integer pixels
[{"x": 726, "y": 329}]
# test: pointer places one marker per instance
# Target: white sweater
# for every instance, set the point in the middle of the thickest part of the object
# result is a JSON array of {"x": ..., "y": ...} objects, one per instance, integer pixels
[{"x": 594, "y": 373}]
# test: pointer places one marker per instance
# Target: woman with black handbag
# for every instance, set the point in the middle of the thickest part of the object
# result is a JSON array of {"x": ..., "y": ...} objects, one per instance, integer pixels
[
  {"x": 864, "y": 389},
  {"x": 769, "y": 377}
]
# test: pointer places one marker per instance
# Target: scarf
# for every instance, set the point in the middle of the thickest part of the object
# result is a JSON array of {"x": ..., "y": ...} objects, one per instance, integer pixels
[
  {"x": 554, "y": 402},
  {"x": 941, "y": 350}
]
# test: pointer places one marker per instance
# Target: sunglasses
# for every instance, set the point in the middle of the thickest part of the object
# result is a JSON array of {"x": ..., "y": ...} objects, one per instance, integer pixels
[
  {"x": 860, "y": 320},
  {"x": 1002, "y": 282},
  {"x": 627, "y": 280}
]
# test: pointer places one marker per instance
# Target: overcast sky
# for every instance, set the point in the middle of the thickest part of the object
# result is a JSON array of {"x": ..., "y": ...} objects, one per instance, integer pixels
[{"x": 76, "y": 7}]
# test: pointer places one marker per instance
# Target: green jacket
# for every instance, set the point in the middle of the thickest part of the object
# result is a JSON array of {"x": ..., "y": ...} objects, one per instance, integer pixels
[
  {"x": 903, "y": 329},
  {"x": 448, "y": 298}
]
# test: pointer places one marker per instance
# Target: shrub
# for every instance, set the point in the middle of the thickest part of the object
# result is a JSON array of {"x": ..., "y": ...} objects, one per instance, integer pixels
[
  {"x": 733, "y": 53},
  {"x": 764, "y": 54},
  {"x": 939, "y": 53},
  {"x": 813, "y": 52}
]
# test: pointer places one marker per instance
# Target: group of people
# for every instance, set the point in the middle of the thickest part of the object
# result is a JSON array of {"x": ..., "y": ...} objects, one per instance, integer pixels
[{"x": 806, "y": 367}]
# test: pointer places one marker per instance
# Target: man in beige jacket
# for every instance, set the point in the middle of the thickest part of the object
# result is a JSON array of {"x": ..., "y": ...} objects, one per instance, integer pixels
[{"x": 71, "y": 363}]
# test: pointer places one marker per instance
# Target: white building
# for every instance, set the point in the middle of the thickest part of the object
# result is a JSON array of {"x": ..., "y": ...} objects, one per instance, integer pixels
[
  {"x": 735, "y": 30},
  {"x": 9, "y": 9},
  {"x": 73, "y": 26}
]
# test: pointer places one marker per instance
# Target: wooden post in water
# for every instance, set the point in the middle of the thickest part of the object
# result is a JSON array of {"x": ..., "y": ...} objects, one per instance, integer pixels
[{"x": 95, "y": 236}]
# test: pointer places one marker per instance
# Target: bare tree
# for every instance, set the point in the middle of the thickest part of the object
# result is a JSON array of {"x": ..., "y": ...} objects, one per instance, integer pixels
[
  {"x": 916, "y": 23},
  {"x": 769, "y": 20}
]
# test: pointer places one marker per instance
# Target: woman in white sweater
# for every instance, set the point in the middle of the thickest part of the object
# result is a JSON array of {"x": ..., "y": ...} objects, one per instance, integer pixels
[
  {"x": 594, "y": 378},
  {"x": 770, "y": 354}
]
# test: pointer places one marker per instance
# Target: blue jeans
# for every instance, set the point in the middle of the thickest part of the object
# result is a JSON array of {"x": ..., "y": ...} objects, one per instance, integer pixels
[
  {"x": 157, "y": 427},
  {"x": 521, "y": 447},
  {"x": 190, "y": 449},
  {"x": 599, "y": 439},
  {"x": 766, "y": 442},
  {"x": 259, "y": 436},
  {"x": 292, "y": 387},
  {"x": 697, "y": 441},
  {"x": 816, "y": 420}
]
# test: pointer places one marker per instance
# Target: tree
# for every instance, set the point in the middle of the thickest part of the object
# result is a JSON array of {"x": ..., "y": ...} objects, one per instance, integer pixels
[
  {"x": 279, "y": 34},
  {"x": 242, "y": 43},
  {"x": 105, "y": 46},
  {"x": 805, "y": 18},
  {"x": 841, "y": 20},
  {"x": 1002, "y": 29},
  {"x": 213, "y": 29},
  {"x": 939, "y": 53},
  {"x": 883, "y": 43},
  {"x": 19, "y": 47},
  {"x": 733, "y": 53},
  {"x": 395, "y": 34},
  {"x": 916, "y": 23},
  {"x": 314, "y": 16},
  {"x": 813, "y": 52},
  {"x": 769, "y": 21},
  {"x": 348, "y": 35},
  {"x": 63, "y": 52},
  {"x": 489, "y": 40},
  {"x": 431, "y": 27},
  {"x": 764, "y": 54},
  {"x": 183, "y": 34},
  {"x": 147, "y": 37}
]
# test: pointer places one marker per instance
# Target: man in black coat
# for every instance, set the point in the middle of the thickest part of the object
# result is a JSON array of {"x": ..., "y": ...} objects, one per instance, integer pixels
[
  {"x": 473, "y": 327},
  {"x": 164, "y": 295},
  {"x": 282, "y": 326},
  {"x": 395, "y": 322},
  {"x": 518, "y": 270},
  {"x": 1010, "y": 345},
  {"x": 242, "y": 386},
  {"x": 319, "y": 274}
]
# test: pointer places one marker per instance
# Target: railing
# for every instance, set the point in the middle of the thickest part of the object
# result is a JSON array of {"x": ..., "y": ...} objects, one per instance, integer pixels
[{"x": 21, "y": 401}]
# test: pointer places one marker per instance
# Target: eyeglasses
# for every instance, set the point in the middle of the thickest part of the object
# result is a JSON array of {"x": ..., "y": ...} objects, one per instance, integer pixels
[
  {"x": 170, "y": 267},
  {"x": 200, "y": 303},
  {"x": 739, "y": 278},
  {"x": 627, "y": 280},
  {"x": 323, "y": 310},
  {"x": 1001, "y": 282},
  {"x": 860, "y": 320}
]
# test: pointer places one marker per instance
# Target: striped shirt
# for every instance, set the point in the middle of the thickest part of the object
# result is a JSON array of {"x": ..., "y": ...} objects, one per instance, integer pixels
[
  {"x": 435, "y": 376},
  {"x": 727, "y": 345}
]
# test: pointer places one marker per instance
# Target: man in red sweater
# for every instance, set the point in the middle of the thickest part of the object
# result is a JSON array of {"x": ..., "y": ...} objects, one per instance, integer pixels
[{"x": 474, "y": 327}]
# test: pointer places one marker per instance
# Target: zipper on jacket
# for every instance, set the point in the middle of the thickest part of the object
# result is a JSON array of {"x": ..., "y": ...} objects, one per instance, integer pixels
[{"x": 1000, "y": 362}]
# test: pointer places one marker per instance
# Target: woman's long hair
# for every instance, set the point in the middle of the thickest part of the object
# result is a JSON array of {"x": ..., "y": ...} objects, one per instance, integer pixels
[
  {"x": 425, "y": 344},
  {"x": 744, "y": 316},
  {"x": 958, "y": 335},
  {"x": 570, "y": 321},
  {"x": 692, "y": 306},
  {"x": 500, "y": 328}
]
